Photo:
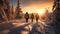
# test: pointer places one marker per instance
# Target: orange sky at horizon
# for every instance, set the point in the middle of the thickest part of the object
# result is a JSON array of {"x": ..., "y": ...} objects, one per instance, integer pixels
[{"x": 38, "y": 7}]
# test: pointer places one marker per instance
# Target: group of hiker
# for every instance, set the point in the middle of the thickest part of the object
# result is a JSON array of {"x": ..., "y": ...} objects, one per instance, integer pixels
[{"x": 32, "y": 17}]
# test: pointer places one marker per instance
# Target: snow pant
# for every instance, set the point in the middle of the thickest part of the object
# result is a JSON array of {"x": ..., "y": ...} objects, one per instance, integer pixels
[
  {"x": 31, "y": 20},
  {"x": 26, "y": 20},
  {"x": 36, "y": 20}
]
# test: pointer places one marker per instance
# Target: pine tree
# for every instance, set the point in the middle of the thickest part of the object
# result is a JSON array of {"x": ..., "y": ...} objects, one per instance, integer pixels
[
  {"x": 2, "y": 10},
  {"x": 6, "y": 5},
  {"x": 12, "y": 12},
  {"x": 1, "y": 4},
  {"x": 18, "y": 10},
  {"x": 56, "y": 12}
]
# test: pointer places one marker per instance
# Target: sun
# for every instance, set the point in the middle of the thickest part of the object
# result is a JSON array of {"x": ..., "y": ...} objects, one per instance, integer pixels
[{"x": 41, "y": 12}]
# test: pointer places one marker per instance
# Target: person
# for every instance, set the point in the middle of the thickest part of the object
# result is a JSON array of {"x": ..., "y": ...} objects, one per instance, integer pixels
[
  {"x": 32, "y": 17},
  {"x": 26, "y": 16},
  {"x": 37, "y": 17}
]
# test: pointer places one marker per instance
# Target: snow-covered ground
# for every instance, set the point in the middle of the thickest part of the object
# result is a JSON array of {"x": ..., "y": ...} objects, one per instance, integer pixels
[{"x": 21, "y": 27}]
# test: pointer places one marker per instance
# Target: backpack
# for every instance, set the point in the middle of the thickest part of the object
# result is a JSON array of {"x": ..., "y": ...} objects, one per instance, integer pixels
[{"x": 26, "y": 15}]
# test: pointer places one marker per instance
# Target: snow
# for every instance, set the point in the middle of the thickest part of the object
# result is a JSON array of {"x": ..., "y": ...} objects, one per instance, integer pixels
[{"x": 33, "y": 27}]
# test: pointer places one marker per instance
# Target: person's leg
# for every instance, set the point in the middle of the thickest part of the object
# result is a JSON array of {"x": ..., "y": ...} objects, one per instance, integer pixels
[
  {"x": 36, "y": 20},
  {"x": 26, "y": 20},
  {"x": 32, "y": 20}
]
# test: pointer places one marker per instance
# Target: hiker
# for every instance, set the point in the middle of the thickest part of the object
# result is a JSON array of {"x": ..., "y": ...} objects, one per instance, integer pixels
[
  {"x": 26, "y": 16},
  {"x": 37, "y": 17},
  {"x": 32, "y": 17}
]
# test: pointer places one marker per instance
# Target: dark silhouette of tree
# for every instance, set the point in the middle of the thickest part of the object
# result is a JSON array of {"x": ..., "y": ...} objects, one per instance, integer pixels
[
  {"x": 7, "y": 8},
  {"x": 56, "y": 12},
  {"x": 12, "y": 16},
  {"x": 1, "y": 3},
  {"x": 18, "y": 10},
  {"x": 56, "y": 15},
  {"x": 2, "y": 12}
]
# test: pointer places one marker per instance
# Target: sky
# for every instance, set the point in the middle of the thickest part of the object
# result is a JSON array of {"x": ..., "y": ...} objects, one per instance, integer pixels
[{"x": 34, "y": 6}]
